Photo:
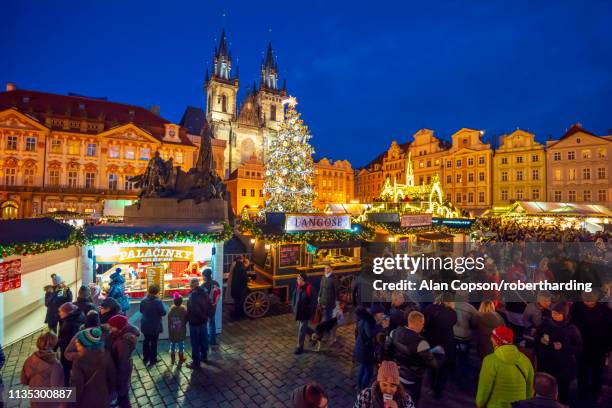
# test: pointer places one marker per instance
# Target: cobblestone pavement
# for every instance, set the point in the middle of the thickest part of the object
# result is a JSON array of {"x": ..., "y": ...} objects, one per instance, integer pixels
[{"x": 254, "y": 366}]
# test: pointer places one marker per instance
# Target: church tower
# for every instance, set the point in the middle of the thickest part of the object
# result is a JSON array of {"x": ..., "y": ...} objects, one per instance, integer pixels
[
  {"x": 221, "y": 87},
  {"x": 270, "y": 95}
]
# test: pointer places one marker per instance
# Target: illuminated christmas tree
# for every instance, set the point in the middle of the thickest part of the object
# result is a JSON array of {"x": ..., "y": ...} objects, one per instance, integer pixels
[{"x": 289, "y": 166}]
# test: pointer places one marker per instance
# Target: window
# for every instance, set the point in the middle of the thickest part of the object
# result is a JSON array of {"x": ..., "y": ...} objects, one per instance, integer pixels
[
  {"x": 91, "y": 149},
  {"x": 557, "y": 174},
  {"x": 223, "y": 103},
  {"x": 504, "y": 195},
  {"x": 535, "y": 194},
  {"x": 130, "y": 153},
  {"x": 557, "y": 156},
  {"x": 90, "y": 180},
  {"x": 470, "y": 177},
  {"x": 449, "y": 164},
  {"x": 571, "y": 174},
  {"x": 56, "y": 146},
  {"x": 504, "y": 160},
  {"x": 128, "y": 185},
  {"x": 571, "y": 155},
  {"x": 10, "y": 175},
  {"x": 558, "y": 196},
  {"x": 30, "y": 144},
  {"x": 244, "y": 192},
  {"x": 481, "y": 197},
  {"x": 252, "y": 192},
  {"x": 470, "y": 161},
  {"x": 504, "y": 176},
  {"x": 449, "y": 179},
  {"x": 28, "y": 177},
  {"x": 72, "y": 179},
  {"x": 586, "y": 196},
  {"x": 273, "y": 112},
  {"x": 481, "y": 160},
  {"x": 458, "y": 178},
  {"x": 73, "y": 147},
  {"x": 519, "y": 175},
  {"x": 602, "y": 153},
  {"x": 603, "y": 195},
  {"x": 54, "y": 177},
  {"x": 535, "y": 158},
  {"x": 535, "y": 174},
  {"x": 470, "y": 197},
  {"x": 112, "y": 181},
  {"x": 458, "y": 163},
  {"x": 519, "y": 159},
  {"x": 145, "y": 153},
  {"x": 519, "y": 194},
  {"x": 428, "y": 163},
  {"x": 179, "y": 157},
  {"x": 578, "y": 140},
  {"x": 11, "y": 142},
  {"x": 458, "y": 197},
  {"x": 601, "y": 173},
  {"x": 586, "y": 154},
  {"x": 449, "y": 197},
  {"x": 428, "y": 179},
  {"x": 571, "y": 195},
  {"x": 586, "y": 174},
  {"x": 113, "y": 151},
  {"x": 261, "y": 193},
  {"x": 420, "y": 179},
  {"x": 481, "y": 176}
]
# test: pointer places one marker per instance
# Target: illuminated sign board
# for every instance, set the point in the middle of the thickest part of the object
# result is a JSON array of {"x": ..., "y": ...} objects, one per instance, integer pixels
[
  {"x": 417, "y": 220},
  {"x": 316, "y": 222},
  {"x": 148, "y": 254}
]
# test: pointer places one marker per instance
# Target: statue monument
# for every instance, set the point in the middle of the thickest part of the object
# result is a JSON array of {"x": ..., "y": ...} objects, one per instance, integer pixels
[{"x": 170, "y": 195}]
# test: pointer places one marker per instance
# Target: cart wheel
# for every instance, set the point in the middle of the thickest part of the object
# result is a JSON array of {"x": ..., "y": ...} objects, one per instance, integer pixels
[
  {"x": 346, "y": 285},
  {"x": 256, "y": 304}
]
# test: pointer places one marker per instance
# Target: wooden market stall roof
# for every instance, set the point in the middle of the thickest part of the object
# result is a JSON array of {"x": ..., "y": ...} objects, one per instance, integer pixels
[
  {"x": 216, "y": 232},
  {"x": 553, "y": 209},
  {"x": 33, "y": 230}
]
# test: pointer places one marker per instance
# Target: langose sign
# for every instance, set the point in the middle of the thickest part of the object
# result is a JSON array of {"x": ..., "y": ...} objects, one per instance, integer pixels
[{"x": 312, "y": 222}]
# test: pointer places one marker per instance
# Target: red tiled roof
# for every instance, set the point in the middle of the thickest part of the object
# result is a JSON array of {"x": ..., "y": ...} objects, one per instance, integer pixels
[
  {"x": 41, "y": 105},
  {"x": 575, "y": 128}
]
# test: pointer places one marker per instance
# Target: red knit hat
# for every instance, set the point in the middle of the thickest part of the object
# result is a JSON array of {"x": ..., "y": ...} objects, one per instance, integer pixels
[
  {"x": 503, "y": 335},
  {"x": 388, "y": 372},
  {"x": 118, "y": 321}
]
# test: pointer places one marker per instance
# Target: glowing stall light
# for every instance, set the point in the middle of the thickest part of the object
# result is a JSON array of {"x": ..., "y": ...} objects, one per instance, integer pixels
[{"x": 202, "y": 252}]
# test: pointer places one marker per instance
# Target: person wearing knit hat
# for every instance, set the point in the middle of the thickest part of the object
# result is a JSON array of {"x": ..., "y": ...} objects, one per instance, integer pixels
[
  {"x": 91, "y": 339},
  {"x": 92, "y": 319},
  {"x": 506, "y": 375},
  {"x": 71, "y": 321},
  {"x": 83, "y": 301},
  {"x": 304, "y": 302},
  {"x": 55, "y": 296},
  {"x": 122, "y": 343},
  {"x": 109, "y": 307},
  {"x": 557, "y": 344},
  {"x": 386, "y": 391},
  {"x": 118, "y": 322}
]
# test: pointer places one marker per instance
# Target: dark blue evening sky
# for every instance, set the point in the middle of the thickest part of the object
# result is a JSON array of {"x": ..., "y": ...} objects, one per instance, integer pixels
[{"x": 364, "y": 72}]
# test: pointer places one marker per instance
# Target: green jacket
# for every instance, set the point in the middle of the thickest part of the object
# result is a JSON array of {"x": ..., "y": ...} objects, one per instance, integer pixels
[{"x": 506, "y": 376}]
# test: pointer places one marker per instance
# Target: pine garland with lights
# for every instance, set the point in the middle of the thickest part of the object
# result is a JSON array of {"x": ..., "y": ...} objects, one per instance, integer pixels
[
  {"x": 76, "y": 237},
  {"x": 289, "y": 166},
  {"x": 359, "y": 232},
  {"x": 397, "y": 229},
  {"x": 163, "y": 237}
]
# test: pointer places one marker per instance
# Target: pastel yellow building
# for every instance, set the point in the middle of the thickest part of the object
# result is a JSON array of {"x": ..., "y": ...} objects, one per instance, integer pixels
[
  {"x": 334, "y": 182},
  {"x": 394, "y": 162},
  {"x": 519, "y": 169},
  {"x": 61, "y": 152},
  {"x": 245, "y": 185},
  {"x": 579, "y": 166},
  {"x": 467, "y": 171},
  {"x": 427, "y": 153}
]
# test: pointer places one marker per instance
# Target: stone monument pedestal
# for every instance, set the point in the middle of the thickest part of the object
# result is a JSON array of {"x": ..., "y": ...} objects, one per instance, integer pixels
[{"x": 156, "y": 211}]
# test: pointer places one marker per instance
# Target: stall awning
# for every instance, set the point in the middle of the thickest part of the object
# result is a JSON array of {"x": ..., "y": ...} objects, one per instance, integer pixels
[
  {"x": 335, "y": 244},
  {"x": 550, "y": 209},
  {"x": 123, "y": 229},
  {"x": 435, "y": 236},
  {"x": 37, "y": 230}
]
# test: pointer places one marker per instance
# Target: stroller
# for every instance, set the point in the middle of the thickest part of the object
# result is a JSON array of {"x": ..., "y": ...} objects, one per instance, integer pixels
[{"x": 327, "y": 329}]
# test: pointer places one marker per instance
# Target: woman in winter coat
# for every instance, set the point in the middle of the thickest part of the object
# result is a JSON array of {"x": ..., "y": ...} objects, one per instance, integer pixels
[
  {"x": 93, "y": 373},
  {"x": 386, "y": 392},
  {"x": 304, "y": 301},
  {"x": 558, "y": 343},
  {"x": 83, "y": 301},
  {"x": 365, "y": 346},
  {"x": 485, "y": 321},
  {"x": 152, "y": 310},
  {"x": 71, "y": 320},
  {"x": 123, "y": 341},
  {"x": 91, "y": 320},
  {"x": 55, "y": 296},
  {"x": 117, "y": 290},
  {"x": 109, "y": 308},
  {"x": 42, "y": 369}
]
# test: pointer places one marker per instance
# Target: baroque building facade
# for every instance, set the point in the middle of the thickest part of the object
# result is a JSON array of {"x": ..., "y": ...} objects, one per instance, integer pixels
[
  {"x": 69, "y": 152},
  {"x": 334, "y": 182}
]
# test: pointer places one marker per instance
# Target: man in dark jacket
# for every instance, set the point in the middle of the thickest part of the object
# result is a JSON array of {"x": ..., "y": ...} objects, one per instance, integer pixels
[
  {"x": 303, "y": 307},
  {"x": 239, "y": 289},
  {"x": 152, "y": 310},
  {"x": 83, "y": 301},
  {"x": 55, "y": 296},
  {"x": 440, "y": 319},
  {"x": 365, "y": 346},
  {"x": 399, "y": 311},
  {"x": 546, "y": 394},
  {"x": 594, "y": 321},
  {"x": 108, "y": 308},
  {"x": 328, "y": 293},
  {"x": 412, "y": 352},
  {"x": 123, "y": 341},
  {"x": 198, "y": 309},
  {"x": 71, "y": 320},
  {"x": 213, "y": 289}
]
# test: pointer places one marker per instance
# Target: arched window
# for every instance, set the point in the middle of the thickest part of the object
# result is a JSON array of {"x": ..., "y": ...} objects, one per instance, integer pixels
[
  {"x": 9, "y": 210},
  {"x": 223, "y": 103},
  {"x": 273, "y": 112}
]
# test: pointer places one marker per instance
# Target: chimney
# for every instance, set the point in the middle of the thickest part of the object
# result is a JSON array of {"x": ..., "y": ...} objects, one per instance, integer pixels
[
  {"x": 155, "y": 109},
  {"x": 10, "y": 87}
]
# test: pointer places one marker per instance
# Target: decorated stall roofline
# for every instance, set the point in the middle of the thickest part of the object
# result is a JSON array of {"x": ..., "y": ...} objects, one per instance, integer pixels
[
  {"x": 76, "y": 237},
  {"x": 396, "y": 229},
  {"x": 358, "y": 232}
]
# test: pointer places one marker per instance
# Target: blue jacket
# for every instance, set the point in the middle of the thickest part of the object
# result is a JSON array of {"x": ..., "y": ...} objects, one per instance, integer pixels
[
  {"x": 152, "y": 310},
  {"x": 117, "y": 291}
]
